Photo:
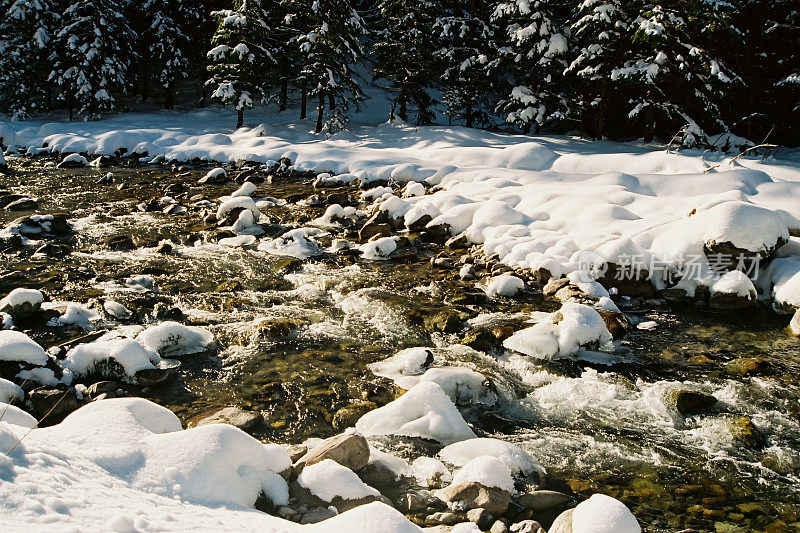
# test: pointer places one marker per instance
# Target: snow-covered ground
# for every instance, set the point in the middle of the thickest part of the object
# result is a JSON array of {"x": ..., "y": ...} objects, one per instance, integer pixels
[{"x": 559, "y": 203}]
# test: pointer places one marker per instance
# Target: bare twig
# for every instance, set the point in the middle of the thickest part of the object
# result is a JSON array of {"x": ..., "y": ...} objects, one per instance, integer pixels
[
  {"x": 37, "y": 423},
  {"x": 741, "y": 154}
]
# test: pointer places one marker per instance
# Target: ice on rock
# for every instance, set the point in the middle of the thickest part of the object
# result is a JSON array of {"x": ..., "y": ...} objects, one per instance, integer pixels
[
  {"x": 603, "y": 514},
  {"x": 407, "y": 362},
  {"x": 244, "y": 222},
  {"x": 42, "y": 376},
  {"x": 579, "y": 327},
  {"x": 239, "y": 202},
  {"x": 116, "y": 310},
  {"x": 171, "y": 339},
  {"x": 430, "y": 472},
  {"x": 328, "y": 479},
  {"x": 18, "y": 297},
  {"x": 11, "y": 414},
  {"x": 131, "y": 355},
  {"x": 463, "y": 385},
  {"x": 238, "y": 241},
  {"x": 425, "y": 411},
  {"x": 16, "y": 346},
  {"x": 505, "y": 285},
  {"x": 488, "y": 471},
  {"x": 515, "y": 458}
]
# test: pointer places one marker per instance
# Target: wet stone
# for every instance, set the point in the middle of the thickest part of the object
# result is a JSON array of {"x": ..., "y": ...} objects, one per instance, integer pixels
[
  {"x": 234, "y": 416},
  {"x": 689, "y": 402}
]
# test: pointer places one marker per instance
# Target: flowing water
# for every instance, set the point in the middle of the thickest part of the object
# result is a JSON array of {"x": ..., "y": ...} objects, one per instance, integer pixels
[{"x": 295, "y": 338}]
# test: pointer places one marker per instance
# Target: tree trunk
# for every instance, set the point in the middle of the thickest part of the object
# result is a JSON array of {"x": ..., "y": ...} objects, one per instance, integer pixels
[
  {"x": 303, "y": 100},
  {"x": 468, "y": 114},
  {"x": 526, "y": 128},
  {"x": 239, "y": 118},
  {"x": 284, "y": 84},
  {"x": 331, "y": 101},
  {"x": 169, "y": 98},
  {"x": 403, "y": 113},
  {"x": 320, "y": 111}
]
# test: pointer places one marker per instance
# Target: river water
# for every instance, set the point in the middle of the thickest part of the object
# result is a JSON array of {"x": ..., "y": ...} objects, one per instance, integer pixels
[{"x": 295, "y": 339}]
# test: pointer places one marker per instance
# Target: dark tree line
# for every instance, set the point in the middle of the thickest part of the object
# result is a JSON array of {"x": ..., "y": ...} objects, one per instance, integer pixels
[{"x": 623, "y": 69}]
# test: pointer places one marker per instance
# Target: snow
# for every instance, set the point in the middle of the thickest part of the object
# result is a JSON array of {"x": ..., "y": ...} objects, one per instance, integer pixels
[
  {"x": 11, "y": 414},
  {"x": 16, "y": 346},
  {"x": 736, "y": 283},
  {"x": 515, "y": 458},
  {"x": 243, "y": 202},
  {"x": 215, "y": 173},
  {"x": 296, "y": 243},
  {"x": 131, "y": 355},
  {"x": 580, "y": 326},
  {"x": 378, "y": 249},
  {"x": 603, "y": 514},
  {"x": 504, "y": 285},
  {"x": 74, "y": 314},
  {"x": 430, "y": 472},
  {"x": 374, "y": 516},
  {"x": 248, "y": 188},
  {"x": 397, "y": 465},
  {"x": 9, "y": 391},
  {"x": 424, "y": 411},
  {"x": 328, "y": 479},
  {"x": 783, "y": 275},
  {"x": 21, "y": 296},
  {"x": 534, "y": 201},
  {"x": 116, "y": 309},
  {"x": 488, "y": 471},
  {"x": 171, "y": 339},
  {"x": 794, "y": 324},
  {"x": 76, "y": 158},
  {"x": 464, "y": 386}
]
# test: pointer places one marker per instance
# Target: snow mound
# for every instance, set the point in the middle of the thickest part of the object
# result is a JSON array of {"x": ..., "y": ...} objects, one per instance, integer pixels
[
  {"x": 515, "y": 458},
  {"x": 328, "y": 479},
  {"x": 171, "y": 339},
  {"x": 579, "y": 327},
  {"x": 248, "y": 188},
  {"x": 603, "y": 514},
  {"x": 21, "y": 296},
  {"x": 10, "y": 391},
  {"x": 131, "y": 355},
  {"x": 488, "y": 471},
  {"x": 784, "y": 277},
  {"x": 736, "y": 283},
  {"x": 425, "y": 411},
  {"x": 744, "y": 225},
  {"x": 504, "y": 285},
  {"x": 430, "y": 472},
  {"x": 16, "y": 346}
]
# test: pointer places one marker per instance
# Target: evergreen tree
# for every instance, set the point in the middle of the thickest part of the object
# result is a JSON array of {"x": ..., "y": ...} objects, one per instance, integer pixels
[
  {"x": 26, "y": 32},
  {"x": 329, "y": 49},
  {"x": 532, "y": 56},
  {"x": 167, "y": 40},
  {"x": 599, "y": 39},
  {"x": 404, "y": 55},
  {"x": 92, "y": 53},
  {"x": 240, "y": 60},
  {"x": 467, "y": 51},
  {"x": 670, "y": 81}
]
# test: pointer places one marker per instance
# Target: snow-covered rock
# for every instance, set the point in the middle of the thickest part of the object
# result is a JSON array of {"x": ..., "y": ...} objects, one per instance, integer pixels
[
  {"x": 215, "y": 175},
  {"x": 733, "y": 290},
  {"x": 129, "y": 354},
  {"x": 21, "y": 303},
  {"x": 794, "y": 324},
  {"x": 328, "y": 479},
  {"x": 464, "y": 386},
  {"x": 11, "y": 414},
  {"x": 16, "y": 346},
  {"x": 171, "y": 339},
  {"x": 488, "y": 471},
  {"x": 248, "y": 188},
  {"x": 578, "y": 326},
  {"x": 117, "y": 310},
  {"x": 598, "y": 514},
  {"x": 296, "y": 243},
  {"x": 424, "y": 411},
  {"x": 239, "y": 202},
  {"x": 407, "y": 362},
  {"x": 379, "y": 249},
  {"x": 430, "y": 472},
  {"x": 515, "y": 458},
  {"x": 505, "y": 285}
]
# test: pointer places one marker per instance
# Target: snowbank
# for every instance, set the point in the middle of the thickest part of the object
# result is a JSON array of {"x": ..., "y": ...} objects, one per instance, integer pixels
[{"x": 424, "y": 411}]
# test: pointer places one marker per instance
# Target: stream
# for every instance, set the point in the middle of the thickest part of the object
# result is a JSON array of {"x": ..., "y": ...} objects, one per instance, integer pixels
[{"x": 295, "y": 338}]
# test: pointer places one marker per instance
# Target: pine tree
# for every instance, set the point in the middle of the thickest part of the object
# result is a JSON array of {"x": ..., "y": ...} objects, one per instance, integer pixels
[
  {"x": 599, "y": 39},
  {"x": 532, "y": 56},
  {"x": 240, "y": 61},
  {"x": 92, "y": 53},
  {"x": 467, "y": 51},
  {"x": 329, "y": 49},
  {"x": 404, "y": 55},
  {"x": 165, "y": 34},
  {"x": 670, "y": 81},
  {"x": 26, "y": 31}
]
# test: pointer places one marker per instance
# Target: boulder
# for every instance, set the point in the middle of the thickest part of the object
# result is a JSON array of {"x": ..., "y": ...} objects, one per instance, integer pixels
[
  {"x": 481, "y": 518},
  {"x": 448, "y": 519},
  {"x": 473, "y": 495},
  {"x": 234, "y": 416},
  {"x": 689, "y": 402},
  {"x": 527, "y": 526},
  {"x": 350, "y": 450},
  {"x": 58, "y": 403},
  {"x": 347, "y": 416},
  {"x": 317, "y": 514},
  {"x": 539, "y": 500},
  {"x": 745, "y": 432},
  {"x": 23, "y": 204}
]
